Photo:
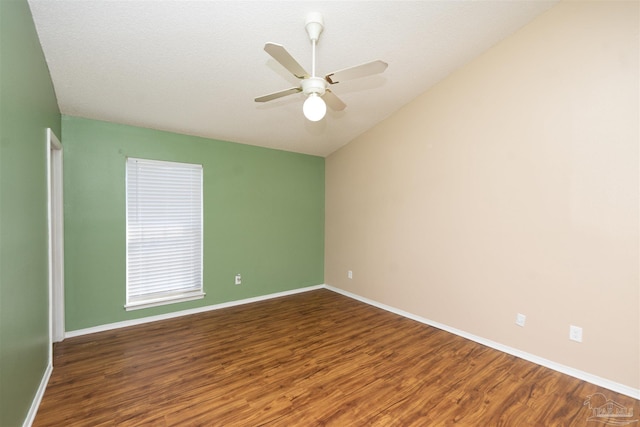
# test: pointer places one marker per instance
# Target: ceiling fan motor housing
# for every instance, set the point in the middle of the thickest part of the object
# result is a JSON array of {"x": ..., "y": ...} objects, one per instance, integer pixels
[{"x": 316, "y": 85}]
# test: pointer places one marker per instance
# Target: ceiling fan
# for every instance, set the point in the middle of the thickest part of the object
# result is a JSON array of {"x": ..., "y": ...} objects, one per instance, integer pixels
[{"x": 316, "y": 88}]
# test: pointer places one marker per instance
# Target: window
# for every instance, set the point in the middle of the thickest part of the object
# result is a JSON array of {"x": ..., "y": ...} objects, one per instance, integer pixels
[{"x": 164, "y": 233}]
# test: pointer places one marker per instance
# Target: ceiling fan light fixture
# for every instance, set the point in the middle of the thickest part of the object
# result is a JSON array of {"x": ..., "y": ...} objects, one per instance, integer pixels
[{"x": 314, "y": 108}]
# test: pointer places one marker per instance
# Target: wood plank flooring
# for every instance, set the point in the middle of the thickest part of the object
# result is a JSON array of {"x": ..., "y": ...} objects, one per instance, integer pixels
[{"x": 311, "y": 359}]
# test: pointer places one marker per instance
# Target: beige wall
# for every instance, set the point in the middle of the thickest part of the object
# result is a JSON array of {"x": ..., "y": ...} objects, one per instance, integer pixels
[{"x": 511, "y": 186}]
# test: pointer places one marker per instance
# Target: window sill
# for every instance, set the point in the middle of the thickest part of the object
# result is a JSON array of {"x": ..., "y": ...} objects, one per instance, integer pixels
[{"x": 163, "y": 301}]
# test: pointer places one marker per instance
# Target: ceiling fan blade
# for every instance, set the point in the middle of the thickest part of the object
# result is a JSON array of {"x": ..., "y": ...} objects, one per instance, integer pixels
[
  {"x": 280, "y": 54},
  {"x": 363, "y": 70},
  {"x": 333, "y": 101},
  {"x": 277, "y": 95}
]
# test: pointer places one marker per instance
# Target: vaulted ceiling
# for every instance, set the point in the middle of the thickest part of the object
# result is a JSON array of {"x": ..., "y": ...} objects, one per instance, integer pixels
[{"x": 195, "y": 67}]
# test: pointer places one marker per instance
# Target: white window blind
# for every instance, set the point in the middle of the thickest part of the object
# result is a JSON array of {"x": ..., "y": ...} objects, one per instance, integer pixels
[{"x": 164, "y": 232}]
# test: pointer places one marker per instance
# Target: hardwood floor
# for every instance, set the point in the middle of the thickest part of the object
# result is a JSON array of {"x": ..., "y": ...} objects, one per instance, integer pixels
[{"x": 311, "y": 359}]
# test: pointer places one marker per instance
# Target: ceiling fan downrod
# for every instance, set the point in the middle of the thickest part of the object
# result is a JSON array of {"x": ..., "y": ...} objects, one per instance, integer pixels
[
  {"x": 314, "y": 84},
  {"x": 314, "y": 26}
]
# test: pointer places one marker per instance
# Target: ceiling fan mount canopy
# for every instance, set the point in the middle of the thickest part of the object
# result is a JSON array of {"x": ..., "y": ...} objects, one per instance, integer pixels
[
  {"x": 314, "y": 25},
  {"x": 316, "y": 88}
]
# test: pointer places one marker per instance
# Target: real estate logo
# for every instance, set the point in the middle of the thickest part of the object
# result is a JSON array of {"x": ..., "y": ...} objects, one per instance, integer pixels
[{"x": 607, "y": 411}]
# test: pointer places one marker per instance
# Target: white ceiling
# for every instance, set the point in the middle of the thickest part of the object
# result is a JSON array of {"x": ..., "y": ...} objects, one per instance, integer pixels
[{"x": 195, "y": 67}]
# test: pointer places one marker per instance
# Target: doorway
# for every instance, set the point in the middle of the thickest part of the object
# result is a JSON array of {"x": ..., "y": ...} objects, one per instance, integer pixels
[{"x": 56, "y": 240}]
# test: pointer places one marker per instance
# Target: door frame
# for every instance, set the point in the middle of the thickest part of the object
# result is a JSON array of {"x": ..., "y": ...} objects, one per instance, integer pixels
[{"x": 55, "y": 215}]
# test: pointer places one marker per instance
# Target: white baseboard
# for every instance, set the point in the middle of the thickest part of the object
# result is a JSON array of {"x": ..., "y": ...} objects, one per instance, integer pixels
[
  {"x": 576, "y": 373},
  {"x": 133, "y": 322},
  {"x": 33, "y": 410}
]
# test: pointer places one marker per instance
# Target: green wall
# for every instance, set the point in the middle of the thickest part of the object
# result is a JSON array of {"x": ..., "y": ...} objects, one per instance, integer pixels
[
  {"x": 27, "y": 107},
  {"x": 263, "y": 218}
]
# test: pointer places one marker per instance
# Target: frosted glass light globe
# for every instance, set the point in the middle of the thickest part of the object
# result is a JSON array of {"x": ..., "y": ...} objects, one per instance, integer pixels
[{"x": 314, "y": 107}]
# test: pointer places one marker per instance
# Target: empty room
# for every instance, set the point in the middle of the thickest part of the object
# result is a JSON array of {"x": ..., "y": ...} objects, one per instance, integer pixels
[{"x": 319, "y": 213}]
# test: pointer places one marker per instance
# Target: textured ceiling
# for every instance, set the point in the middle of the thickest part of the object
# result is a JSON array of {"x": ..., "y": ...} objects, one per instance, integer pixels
[{"x": 195, "y": 67}]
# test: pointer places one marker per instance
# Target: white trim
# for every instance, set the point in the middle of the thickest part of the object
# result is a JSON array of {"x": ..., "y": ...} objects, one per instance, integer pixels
[
  {"x": 55, "y": 229},
  {"x": 33, "y": 410},
  {"x": 576, "y": 373},
  {"x": 174, "y": 314},
  {"x": 164, "y": 301}
]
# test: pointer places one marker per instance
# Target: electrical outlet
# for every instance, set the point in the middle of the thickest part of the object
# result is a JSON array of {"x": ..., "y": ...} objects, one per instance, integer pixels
[
  {"x": 520, "y": 319},
  {"x": 350, "y": 274},
  {"x": 575, "y": 333},
  {"x": 238, "y": 279}
]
